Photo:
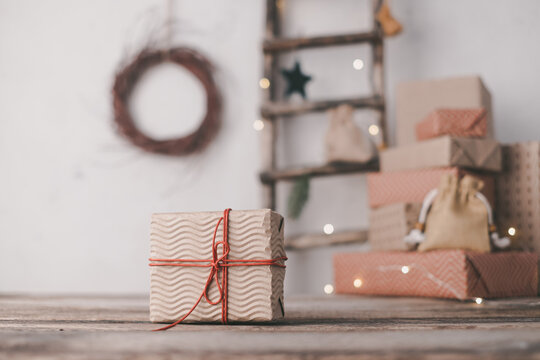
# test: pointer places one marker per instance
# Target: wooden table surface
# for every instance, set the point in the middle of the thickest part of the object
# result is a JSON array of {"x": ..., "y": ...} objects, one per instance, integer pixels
[{"x": 116, "y": 327}]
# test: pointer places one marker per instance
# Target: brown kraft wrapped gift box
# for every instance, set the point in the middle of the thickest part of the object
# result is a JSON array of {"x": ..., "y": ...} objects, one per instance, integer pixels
[
  {"x": 518, "y": 194},
  {"x": 389, "y": 224},
  {"x": 255, "y": 293},
  {"x": 445, "y": 151}
]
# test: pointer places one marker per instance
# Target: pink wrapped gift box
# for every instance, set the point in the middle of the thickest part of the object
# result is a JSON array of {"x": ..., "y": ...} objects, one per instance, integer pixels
[
  {"x": 454, "y": 122},
  {"x": 453, "y": 274},
  {"x": 410, "y": 186}
]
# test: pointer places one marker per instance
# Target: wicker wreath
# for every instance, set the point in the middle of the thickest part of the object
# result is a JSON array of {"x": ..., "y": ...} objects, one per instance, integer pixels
[{"x": 126, "y": 80}]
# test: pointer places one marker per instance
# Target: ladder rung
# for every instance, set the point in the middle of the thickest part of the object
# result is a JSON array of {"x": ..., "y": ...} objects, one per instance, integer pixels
[
  {"x": 275, "y": 109},
  {"x": 268, "y": 177},
  {"x": 314, "y": 240},
  {"x": 290, "y": 44}
]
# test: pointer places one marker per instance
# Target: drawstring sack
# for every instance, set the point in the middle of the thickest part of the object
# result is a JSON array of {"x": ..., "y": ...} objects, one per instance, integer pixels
[
  {"x": 456, "y": 216},
  {"x": 345, "y": 142}
]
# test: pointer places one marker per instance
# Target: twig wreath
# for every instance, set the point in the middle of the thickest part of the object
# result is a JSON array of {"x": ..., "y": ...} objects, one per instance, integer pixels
[{"x": 126, "y": 80}]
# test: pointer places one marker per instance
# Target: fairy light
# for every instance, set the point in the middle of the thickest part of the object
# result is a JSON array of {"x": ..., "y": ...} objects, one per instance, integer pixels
[
  {"x": 328, "y": 289},
  {"x": 405, "y": 269},
  {"x": 478, "y": 301},
  {"x": 258, "y": 125},
  {"x": 358, "y": 283},
  {"x": 511, "y": 231},
  {"x": 373, "y": 130},
  {"x": 264, "y": 83},
  {"x": 358, "y": 64},
  {"x": 328, "y": 229}
]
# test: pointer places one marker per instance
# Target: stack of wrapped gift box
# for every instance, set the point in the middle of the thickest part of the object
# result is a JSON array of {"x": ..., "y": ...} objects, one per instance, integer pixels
[{"x": 443, "y": 127}]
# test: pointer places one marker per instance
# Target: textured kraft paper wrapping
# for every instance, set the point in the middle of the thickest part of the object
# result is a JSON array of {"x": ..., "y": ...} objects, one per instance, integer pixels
[
  {"x": 518, "y": 194},
  {"x": 443, "y": 274},
  {"x": 412, "y": 185},
  {"x": 454, "y": 122},
  {"x": 416, "y": 99},
  {"x": 476, "y": 154},
  {"x": 255, "y": 292},
  {"x": 389, "y": 224}
]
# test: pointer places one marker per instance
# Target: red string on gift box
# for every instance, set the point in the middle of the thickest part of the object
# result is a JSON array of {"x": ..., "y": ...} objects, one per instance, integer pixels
[{"x": 218, "y": 264}]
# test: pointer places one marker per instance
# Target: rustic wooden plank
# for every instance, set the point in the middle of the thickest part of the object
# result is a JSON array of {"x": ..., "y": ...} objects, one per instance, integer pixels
[
  {"x": 269, "y": 133},
  {"x": 307, "y": 241},
  {"x": 116, "y": 327},
  {"x": 291, "y": 44},
  {"x": 316, "y": 171},
  {"x": 377, "y": 73},
  {"x": 268, "y": 154},
  {"x": 276, "y": 109},
  {"x": 83, "y": 310}
]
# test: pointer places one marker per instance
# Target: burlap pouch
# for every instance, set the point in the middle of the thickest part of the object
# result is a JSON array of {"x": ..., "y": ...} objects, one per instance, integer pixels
[
  {"x": 345, "y": 142},
  {"x": 457, "y": 219},
  {"x": 456, "y": 216}
]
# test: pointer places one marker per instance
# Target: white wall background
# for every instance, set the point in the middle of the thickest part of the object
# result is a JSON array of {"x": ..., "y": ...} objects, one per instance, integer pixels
[{"x": 75, "y": 198}]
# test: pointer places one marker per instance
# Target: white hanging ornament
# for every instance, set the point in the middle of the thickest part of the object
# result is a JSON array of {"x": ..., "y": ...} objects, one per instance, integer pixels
[{"x": 416, "y": 236}]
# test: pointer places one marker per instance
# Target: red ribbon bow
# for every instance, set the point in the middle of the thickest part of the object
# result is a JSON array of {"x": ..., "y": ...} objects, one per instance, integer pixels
[{"x": 218, "y": 264}]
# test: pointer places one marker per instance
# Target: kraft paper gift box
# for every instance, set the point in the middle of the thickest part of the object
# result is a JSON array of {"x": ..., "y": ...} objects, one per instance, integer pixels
[
  {"x": 389, "y": 224},
  {"x": 416, "y": 99},
  {"x": 255, "y": 293},
  {"x": 518, "y": 195},
  {"x": 411, "y": 186},
  {"x": 454, "y": 122},
  {"x": 445, "y": 151},
  {"x": 453, "y": 274}
]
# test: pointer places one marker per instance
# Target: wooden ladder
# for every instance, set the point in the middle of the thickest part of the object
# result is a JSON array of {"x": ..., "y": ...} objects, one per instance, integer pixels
[{"x": 272, "y": 110}]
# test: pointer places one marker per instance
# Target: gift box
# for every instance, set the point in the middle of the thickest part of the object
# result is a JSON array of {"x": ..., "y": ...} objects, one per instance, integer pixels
[
  {"x": 191, "y": 253},
  {"x": 411, "y": 186},
  {"x": 453, "y": 274},
  {"x": 415, "y": 100},
  {"x": 389, "y": 224},
  {"x": 445, "y": 151},
  {"x": 454, "y": 122},
  {"x": 518, "y": 195}
]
